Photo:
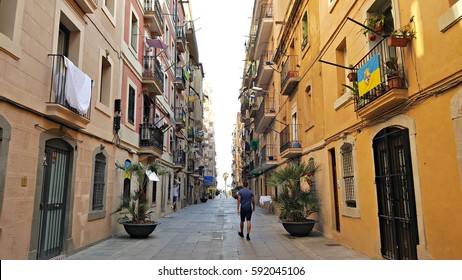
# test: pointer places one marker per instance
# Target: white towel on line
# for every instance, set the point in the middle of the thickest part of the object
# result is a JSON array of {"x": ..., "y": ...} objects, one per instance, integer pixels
[{"x": 78, "y": 88}]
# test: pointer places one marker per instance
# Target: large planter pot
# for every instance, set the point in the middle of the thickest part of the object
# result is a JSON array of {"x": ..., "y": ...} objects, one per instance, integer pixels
[
  {"x": 299, "y": 228},
  {"x": 203, "y": 199},
  {"x": 140, "y": 230}
]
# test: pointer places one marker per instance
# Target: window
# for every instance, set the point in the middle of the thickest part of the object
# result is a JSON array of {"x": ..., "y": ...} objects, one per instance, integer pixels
[
  {"x": 5, "y": 136},
  {"x": 11, "y": 14},
  {"x": 134, "y": 33},
  {"x": 294, "y": 127},
  {"x": 171, "y": 140},
  {"x": 7, "y": 17},
  {"x": 63, "y": 40},
  {"x": 166, "y": 86},
  {"x": 331, "y": 4},
  {"x": 304, "y": 30},
  {"x": 110, "y": 6},
  {"x": 127, "y": 184},
  {"x": 105, "y": 82},
  {"x": 452, "y": 16},
  {"x": 99, "y": 182},
  {"x": 341, "y": 59},
  {"x": 69, "y": 37},
  {"x": 131, "y": 105},
  {"x": 154, "y": 191},
  {"x": 348, "y": 175},
  {"x": 148, "y": 106},
  {"x": 169, "y": 186}
]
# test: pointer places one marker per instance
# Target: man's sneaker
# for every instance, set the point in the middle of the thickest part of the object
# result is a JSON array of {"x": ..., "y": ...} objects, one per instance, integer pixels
[
  {"x": 240, "y": 234},
  {"x": 248, "y": 237}
]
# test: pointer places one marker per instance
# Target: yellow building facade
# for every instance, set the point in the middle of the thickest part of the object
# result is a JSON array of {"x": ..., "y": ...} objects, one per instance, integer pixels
[{"x": 389, "y": 149}]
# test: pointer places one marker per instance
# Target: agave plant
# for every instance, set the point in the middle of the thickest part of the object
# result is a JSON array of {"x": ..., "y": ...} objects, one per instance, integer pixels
[
  {"x": 136, "y": 204},
  {"x": 295, "y": 203}
]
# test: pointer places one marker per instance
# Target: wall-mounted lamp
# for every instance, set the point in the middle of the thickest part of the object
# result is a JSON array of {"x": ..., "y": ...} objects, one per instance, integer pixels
[
  {"x": 107, "y": 54},
  {"x": 101, "y": 146}
]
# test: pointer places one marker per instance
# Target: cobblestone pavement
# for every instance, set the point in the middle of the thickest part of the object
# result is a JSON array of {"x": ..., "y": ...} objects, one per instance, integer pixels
[{"x": 208, "y": 231}]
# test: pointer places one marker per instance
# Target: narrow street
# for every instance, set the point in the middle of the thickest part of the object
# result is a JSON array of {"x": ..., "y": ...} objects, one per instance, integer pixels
[{"x": 208, "y": 231}]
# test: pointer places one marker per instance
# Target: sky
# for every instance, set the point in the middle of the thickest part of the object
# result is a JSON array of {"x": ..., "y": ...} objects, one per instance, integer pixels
[{"x": 222, "y": 28}]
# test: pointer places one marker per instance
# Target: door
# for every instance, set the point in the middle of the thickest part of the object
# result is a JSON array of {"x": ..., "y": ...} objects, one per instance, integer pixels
[
  {"x": 53, "y": 202},
  {"x": 395, "y": 194},
  {"x": 333, "y": 163}
]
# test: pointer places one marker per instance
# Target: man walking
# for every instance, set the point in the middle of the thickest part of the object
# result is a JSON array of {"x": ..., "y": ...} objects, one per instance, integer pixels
[{"x": 245, "y": 207}]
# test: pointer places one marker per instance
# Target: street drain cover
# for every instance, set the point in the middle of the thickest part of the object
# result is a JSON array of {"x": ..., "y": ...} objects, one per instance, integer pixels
[{"x": 331, "y": 244}]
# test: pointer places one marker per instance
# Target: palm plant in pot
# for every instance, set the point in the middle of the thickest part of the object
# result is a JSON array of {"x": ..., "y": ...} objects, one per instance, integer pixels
[
  {"x": 135, "y": 206},
  {"x": 295, "y": 202}
]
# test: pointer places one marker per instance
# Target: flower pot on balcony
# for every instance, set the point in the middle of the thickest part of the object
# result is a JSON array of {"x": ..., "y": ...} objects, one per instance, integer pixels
[
  {"x": 397, "y": 41},
  {"x": 394, "y": 82},
  {"x": 353, "y": 76}
]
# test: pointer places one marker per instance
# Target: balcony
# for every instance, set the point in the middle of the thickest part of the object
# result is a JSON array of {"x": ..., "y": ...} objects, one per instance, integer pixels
[
  {"x": 154, "y": 19},
  {"x": 180, "y": 117},
  {"x": 190, "y": 169},
  {"x": 192, "y": 42},
  {"x": 180, "y": 40},
  {"x": 179, "y": 159},
  {"x": 265, "y": 114},
  {"x": 180, "y": 78},
  {"x": 392, "y": 89},
  {"x": 151, "y": 139},
  {"x": 290, "y": 146},
  {"x": 57, "y": 107},
  {"x": 190, "y": 134},
  {"x": 268, "y": 157},
  {"x": 153, "y": 77},
  {"x": 265, "y": 23},
  {"x": 289, "y": 75},
  {"x": 265, "y": 69}
]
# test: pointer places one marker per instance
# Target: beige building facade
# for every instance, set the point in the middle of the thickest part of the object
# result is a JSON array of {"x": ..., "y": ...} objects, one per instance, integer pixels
[
  {"x": 81, "y": 88},
  {"x": 390, "y": 183}
]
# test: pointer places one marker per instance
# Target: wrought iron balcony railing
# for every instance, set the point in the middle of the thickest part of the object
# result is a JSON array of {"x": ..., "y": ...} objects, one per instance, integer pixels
[
  {"x": 392, "y": 75},
  {"x": 153, "y": 69},
  {"x": 151, "y": 136},
  {"x": 58, "y": 85},
  {"x": 289, "y": 75},
  {"x": 289, "y": 137},
  {"x": 179, "y": 157},
  {"x": 153, "y": 6}
]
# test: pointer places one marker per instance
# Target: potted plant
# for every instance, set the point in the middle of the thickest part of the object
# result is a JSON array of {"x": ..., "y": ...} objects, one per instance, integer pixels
[
  {"x": 394, "y": 77},
  {"x": 352, "y": 75},
  {"x": 296, "y": 201},
  {"x": 375, "y": 23},
  {"x": 204, "y": 197},
  {"x": 401, "y": 37},
  {"x": 136, "y": 207}
]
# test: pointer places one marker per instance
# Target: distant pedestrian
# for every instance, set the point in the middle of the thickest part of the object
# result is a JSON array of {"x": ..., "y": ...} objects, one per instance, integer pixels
[
  {"x": 245, "y": 207},
  {"x": 175, "y": 197}
]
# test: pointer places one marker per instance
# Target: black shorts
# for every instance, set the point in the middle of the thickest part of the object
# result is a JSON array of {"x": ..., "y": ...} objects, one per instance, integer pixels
[{"x": 246, "y": 214}]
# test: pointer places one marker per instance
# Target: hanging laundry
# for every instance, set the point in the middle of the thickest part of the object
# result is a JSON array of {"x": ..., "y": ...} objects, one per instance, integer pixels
[{"x": 78, "y": 88}]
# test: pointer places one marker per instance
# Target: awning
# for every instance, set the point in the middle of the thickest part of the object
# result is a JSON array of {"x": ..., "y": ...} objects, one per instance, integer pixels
[{"x": 156, "y": 43}]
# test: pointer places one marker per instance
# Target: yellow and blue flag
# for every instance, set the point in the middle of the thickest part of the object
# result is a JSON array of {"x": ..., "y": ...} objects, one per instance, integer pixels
[{"x": 369, "y": 75}]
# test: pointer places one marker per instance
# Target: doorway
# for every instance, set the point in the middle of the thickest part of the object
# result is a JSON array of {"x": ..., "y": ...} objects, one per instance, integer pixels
[
  {"x": 54, "y": 198},
  {"x": 395, "y": 194}
]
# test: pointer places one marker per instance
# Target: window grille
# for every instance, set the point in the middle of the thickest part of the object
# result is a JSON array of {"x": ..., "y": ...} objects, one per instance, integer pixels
[
  {"x": 348, "y": 175},
  {"x": 99, "y": 182}
]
